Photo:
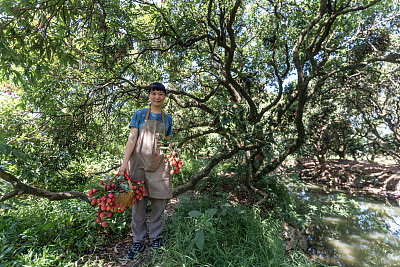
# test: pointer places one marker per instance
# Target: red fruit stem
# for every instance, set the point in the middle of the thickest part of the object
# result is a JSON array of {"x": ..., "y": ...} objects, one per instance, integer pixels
[{"x": 127, "y": 177}]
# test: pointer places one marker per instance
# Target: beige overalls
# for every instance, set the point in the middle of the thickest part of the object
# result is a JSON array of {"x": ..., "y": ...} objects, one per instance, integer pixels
[{"x": 147, "y": 164}]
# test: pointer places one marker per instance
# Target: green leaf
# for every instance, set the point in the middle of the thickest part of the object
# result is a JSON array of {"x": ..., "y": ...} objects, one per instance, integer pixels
[
  {"x": 224, "y": 221},
  {"x": 69, "y": 220},
  {"x": 199, "y": 239},
  {"x": 195, "y": 213},
  {"x": 41, "y": 51},
  {"x": 125, "y": 187},
  {"x": 4, "y": 149},
  {"x": 67, "y": 17},
  {"x": 211, "y": 212},
  {"x": 18, "y": 154},
  {"x": 38, "y": 71},
  {"x": 48, "y": 226},
  {"x": 7, "y": 206},
  {"x": 6, "y": 251},
  {"x": 18, "y": 78},
  {"x": 48, "y": 52}
]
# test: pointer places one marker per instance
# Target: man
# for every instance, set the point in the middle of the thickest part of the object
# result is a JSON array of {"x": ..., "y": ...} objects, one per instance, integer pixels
[{"x": 144, "y": 162}]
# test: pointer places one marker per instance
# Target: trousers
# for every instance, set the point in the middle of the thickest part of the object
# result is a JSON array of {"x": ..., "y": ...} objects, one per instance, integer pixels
[{"x": 156, "y": 223}]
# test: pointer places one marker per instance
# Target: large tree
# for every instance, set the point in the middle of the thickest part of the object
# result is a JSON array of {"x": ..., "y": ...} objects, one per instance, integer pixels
[
  {"x": 378, "y": 110},
  {"x": 240, "y": 73}
]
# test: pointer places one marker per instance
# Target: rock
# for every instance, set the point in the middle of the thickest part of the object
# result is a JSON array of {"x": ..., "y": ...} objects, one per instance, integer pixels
[
  {"x": 294, "y": 238},
  {"x": 393, "y": 184}
]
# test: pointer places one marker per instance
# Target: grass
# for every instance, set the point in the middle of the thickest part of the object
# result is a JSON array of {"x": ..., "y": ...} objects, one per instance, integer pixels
[
  {"x": 204, "y": 231},
  {"x": 37, "y": 232},
  {"x": 212, "y": 232}
]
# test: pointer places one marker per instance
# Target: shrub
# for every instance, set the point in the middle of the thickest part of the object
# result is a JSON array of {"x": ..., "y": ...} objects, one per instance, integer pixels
[
  {"x": 206, "y": 232},
  {"x": 37, "y": 232}
]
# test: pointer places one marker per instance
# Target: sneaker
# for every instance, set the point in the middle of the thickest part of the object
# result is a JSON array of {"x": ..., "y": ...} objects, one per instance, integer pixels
[
  {"x": 135, "y": 251},
  {"x": 156, "y": 245}
]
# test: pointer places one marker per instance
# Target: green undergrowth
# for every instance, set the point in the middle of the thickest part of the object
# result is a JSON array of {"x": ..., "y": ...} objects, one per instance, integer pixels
[
  {"x": 208, "y": 231},
  {"x": 204, "y": 231},
  {"x": 38, "y": 232}
]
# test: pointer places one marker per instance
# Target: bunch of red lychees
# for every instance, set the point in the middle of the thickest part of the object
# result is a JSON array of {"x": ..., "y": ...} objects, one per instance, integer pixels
[
  {"x": 174, "y": 161},
  {"x": 172, "y": 155},
  {"x": 112, "y": 198}
]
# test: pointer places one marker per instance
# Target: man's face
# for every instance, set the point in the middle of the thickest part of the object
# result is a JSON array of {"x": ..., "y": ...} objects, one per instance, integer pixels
[{"x": 157, "y": 97}]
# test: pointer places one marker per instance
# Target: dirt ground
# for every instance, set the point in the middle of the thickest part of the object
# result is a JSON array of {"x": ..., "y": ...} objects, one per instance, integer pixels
[
  {"x": 116, "y": 254},
  {"x": 381, "y": 179}
]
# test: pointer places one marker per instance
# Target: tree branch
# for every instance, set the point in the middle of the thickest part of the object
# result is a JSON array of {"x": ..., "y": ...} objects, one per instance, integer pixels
[
  {"x": 21, "y": 188},
  {"x": 215, "y": 160}
]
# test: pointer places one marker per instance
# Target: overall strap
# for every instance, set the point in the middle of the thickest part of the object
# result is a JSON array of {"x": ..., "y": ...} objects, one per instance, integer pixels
[{"x": 148, "y": 112}]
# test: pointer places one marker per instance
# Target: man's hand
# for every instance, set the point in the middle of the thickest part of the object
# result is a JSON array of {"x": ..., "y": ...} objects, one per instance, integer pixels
[{"x": 123, "y": 169}]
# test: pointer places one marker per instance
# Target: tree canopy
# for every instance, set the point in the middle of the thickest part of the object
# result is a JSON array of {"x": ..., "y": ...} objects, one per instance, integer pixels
[{"x": 245, "y": 79}]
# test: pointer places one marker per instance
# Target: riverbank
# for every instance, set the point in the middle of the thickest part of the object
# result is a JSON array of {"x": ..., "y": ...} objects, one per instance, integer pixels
[{"x": 380, "y": 179}]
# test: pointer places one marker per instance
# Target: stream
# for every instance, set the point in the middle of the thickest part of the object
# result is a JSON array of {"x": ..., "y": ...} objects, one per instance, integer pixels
[{"x": 366, "y": 233}]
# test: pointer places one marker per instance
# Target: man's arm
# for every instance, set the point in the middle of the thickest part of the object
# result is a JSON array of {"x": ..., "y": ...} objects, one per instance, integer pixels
[{"x": 130, "y": 145}]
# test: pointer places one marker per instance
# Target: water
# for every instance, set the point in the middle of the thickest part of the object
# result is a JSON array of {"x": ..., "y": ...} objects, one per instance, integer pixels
[{"x": 366, "y": 233}]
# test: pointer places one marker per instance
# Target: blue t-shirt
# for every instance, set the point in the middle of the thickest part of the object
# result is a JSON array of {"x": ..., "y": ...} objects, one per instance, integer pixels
[{"x": 140, "y": 115}]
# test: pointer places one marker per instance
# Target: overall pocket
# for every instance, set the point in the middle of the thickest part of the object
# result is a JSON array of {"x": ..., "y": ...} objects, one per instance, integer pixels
[
  {"x": 159, "y": 182},
  {"x": 152, "y": 160}
]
